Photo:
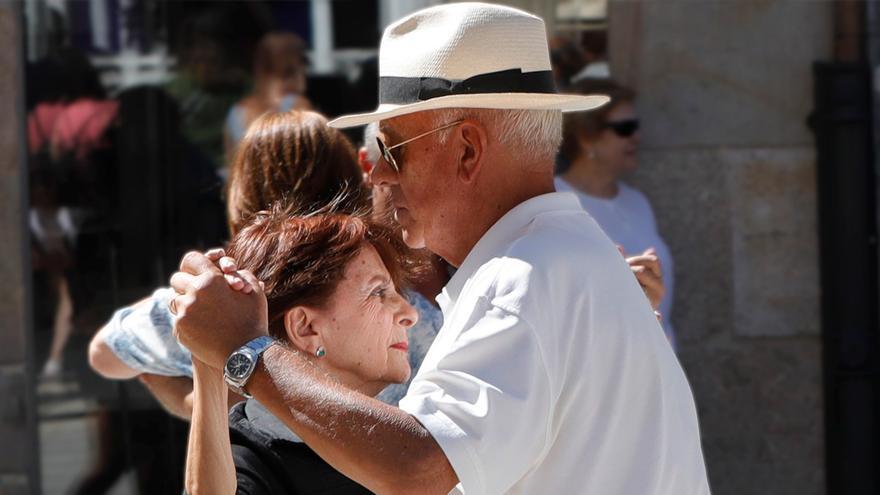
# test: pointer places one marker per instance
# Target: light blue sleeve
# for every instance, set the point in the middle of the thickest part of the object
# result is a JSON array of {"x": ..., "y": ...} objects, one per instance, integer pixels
[{"x": 142, "y": 337}]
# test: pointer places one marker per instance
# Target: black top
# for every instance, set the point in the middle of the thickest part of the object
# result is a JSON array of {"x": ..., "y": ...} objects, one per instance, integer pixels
[{"x": 270, "y": 459}]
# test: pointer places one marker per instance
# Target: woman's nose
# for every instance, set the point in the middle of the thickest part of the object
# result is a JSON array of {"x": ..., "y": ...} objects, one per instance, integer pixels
[{"x": 407, "y": 315}]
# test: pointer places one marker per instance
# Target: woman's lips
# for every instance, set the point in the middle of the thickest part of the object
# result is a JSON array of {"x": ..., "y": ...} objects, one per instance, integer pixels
[{"x": 402, "y": 346}]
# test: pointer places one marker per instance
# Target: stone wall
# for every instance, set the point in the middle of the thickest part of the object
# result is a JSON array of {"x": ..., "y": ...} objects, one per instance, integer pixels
[
  {"x": 728, "y": 163},
  {"x": 18, "y": 457}
]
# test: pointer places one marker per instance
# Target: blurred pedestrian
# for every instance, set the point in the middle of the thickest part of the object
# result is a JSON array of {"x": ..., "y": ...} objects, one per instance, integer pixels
[
  {"x": 601, "y": 148},
  {"x": 69, "y": 143},
  {"x": 279, "y": 85}
]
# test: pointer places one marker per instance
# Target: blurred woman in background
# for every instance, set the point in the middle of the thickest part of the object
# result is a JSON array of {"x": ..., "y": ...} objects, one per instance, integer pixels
[
  {"x": 279, "y": 85},
  {"x": 601, "y": 147}
]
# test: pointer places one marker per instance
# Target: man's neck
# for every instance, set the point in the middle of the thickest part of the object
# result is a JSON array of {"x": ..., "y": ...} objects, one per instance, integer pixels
[{"x": 476, "y": 217}]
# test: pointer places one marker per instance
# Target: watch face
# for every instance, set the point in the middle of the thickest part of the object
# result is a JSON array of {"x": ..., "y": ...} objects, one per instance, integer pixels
[{"x": 239, "y": 365}]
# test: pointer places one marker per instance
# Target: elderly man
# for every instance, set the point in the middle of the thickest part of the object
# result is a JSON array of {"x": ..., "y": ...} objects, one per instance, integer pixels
[{"x": 550, "y": 374}]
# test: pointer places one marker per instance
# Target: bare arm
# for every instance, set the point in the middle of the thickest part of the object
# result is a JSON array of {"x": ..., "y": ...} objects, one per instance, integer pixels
[
  {"x": 209, "y": 465},
  {"x": 175, "y": 393},
  {"x": 104, "y": 361},
  {"x": 646, "y": 267},
  {"x": 379, "y": 446}
]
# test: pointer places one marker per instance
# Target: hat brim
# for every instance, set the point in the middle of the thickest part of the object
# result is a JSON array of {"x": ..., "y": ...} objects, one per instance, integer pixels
[{"x": 503, "y": 101}]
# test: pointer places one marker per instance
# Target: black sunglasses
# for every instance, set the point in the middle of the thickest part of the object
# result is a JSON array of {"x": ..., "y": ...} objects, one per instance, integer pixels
[{"x": 624, "y": 128}]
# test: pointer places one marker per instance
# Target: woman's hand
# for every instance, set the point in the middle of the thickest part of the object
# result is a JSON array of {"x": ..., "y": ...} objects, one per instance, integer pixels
[
  {"x": 214, "y": 320},
  {"x": 229, "y": 267},
  {"x": 648, "y": 272}
]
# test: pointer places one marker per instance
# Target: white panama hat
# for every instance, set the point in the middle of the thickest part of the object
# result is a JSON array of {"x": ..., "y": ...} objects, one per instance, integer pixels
[{"x": 466, "y": 55}]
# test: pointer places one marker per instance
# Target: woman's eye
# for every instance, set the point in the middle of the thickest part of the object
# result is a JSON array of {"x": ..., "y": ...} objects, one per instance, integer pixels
[{"x": 379, "y": 292}]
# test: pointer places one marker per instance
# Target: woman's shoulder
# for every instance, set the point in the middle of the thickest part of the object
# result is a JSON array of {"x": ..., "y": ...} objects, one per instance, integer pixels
[
  {"x": 273, "y": 463},
  {"x": 635, "y": 200},
  {"x": 562, "y": 185}
]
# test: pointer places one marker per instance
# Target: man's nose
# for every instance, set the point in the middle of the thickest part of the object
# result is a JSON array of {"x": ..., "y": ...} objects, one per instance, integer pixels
[{"x": 382, "y": 173}]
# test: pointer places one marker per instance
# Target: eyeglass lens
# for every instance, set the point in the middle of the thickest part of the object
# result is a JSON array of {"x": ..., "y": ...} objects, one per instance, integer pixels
[{"x": 386, "y": 154}]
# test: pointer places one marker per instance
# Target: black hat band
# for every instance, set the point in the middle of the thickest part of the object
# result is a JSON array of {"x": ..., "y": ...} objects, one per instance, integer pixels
[{"x": 406, "y": 90}]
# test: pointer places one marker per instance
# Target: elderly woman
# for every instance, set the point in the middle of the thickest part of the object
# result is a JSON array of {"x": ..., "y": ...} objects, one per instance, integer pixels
[
  {"x": 333, "y": 289},
  {"x": 601, "y": 148},
  {"x": 288, "y": 156}
]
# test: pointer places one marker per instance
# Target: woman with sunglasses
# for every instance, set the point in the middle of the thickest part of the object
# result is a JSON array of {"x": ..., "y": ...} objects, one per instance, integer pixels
[{"x": 600, "y": 147}]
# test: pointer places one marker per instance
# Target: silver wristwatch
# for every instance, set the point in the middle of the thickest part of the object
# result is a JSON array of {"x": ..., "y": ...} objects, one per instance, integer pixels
[{"x": 241, "y": 364}]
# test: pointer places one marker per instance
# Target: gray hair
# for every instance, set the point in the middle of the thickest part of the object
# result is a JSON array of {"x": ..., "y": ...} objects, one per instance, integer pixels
[{"x": 534, "y": 134}]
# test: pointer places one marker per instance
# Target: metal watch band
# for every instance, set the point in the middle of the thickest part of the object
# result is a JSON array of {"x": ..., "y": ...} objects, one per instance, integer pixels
[
  {"x": 260, "y": 343},
  {"x": 253, "y": 350}
]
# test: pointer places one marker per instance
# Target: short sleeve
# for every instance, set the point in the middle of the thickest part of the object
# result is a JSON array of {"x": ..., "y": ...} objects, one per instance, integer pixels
[
  {"x": 142, "y": 337},
  {"x": 486, "y": 401}
]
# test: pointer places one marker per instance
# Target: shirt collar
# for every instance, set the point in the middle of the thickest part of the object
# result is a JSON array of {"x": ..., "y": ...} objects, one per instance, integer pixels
[{"x": 499, "y": 236}]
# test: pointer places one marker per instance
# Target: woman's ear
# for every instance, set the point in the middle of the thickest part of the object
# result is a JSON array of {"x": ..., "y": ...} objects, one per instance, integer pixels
[
  {"x": 588, "y": 147},
  {"x": 300, "y": 328}
]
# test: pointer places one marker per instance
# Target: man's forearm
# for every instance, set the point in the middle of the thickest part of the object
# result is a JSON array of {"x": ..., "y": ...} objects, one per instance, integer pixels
[{"x": 379, "y": 446}]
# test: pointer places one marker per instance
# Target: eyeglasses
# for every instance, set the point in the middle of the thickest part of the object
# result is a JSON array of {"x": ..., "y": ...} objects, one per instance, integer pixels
[
  {"x": 624, "y": 128},
  {"x": 386, "y": 150}
]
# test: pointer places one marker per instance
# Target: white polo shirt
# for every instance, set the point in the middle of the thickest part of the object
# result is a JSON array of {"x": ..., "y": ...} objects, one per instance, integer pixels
[{"x": 549, "y": 375}]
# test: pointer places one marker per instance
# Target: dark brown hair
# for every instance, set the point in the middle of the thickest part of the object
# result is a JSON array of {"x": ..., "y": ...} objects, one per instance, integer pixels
[
  {"x": 590, "y": 124},
  {"x": 302, "y": 258},
  {"x": 291, "y": 157}
]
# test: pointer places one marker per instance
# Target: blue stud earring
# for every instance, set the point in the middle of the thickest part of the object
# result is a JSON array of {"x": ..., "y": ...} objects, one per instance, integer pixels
[{"x": 320, "y": 352}]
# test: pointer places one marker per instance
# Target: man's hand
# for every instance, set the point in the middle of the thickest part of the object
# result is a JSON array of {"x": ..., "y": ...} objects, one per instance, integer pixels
[
  {"x": 648, "y": 272},
  {"x": 214, "y": 319}
]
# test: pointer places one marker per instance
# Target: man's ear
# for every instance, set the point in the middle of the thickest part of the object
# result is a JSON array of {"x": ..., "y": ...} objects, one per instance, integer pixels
[
  {"x": 474, "y": 140},
  {"x": 299, "y": 324}
]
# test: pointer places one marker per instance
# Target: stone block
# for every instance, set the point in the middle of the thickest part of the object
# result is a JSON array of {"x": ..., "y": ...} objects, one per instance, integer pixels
[
  {"x": 15, "y": 484},
  {"x": 721, "y": 73},
  {"x": 14, "y": 416},
  {"x": 12, "y": 304},
  {"x": 775, "y": 241},
  {"x": 10, "y": 98},
  {"x": 760, "y": 407},
  {"x": 11, "y": 189},
  {"x": 690, "y": 197},
  {"x": 741, "y": 224}
]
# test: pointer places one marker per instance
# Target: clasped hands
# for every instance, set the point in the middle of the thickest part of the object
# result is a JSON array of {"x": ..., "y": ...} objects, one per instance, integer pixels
[{"x": 219, "y": 308}]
